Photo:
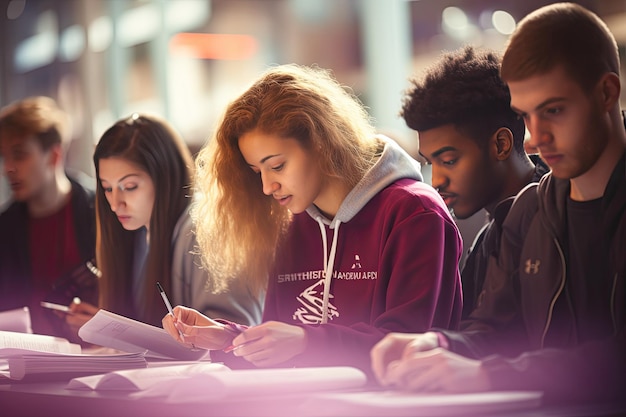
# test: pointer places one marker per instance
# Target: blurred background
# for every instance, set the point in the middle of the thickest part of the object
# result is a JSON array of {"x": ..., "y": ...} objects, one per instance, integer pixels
[{"x": 186, "y": 59}]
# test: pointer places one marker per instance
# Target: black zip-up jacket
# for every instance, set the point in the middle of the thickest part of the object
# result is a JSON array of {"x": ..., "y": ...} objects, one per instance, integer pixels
[
  {"x": 487, "y": 244},
  {"x": 15, "y": 260},
  {"x": 521, "y": 291}
]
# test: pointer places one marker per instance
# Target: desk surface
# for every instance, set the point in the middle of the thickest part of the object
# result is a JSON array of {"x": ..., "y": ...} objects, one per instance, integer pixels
[{"x": 53, "y": 399}]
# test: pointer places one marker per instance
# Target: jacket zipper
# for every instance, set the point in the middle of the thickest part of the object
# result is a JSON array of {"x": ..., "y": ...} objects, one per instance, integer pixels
[
  {"x": 558, "y": 293},
  {"x": 613, "y": 308}
]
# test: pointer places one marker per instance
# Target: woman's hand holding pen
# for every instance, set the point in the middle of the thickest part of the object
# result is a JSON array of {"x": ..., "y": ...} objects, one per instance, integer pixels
[
  {"x": 270, "y": 343},
  {"x": 267, "y": 344},
  {"x": 197, "y": 329}
]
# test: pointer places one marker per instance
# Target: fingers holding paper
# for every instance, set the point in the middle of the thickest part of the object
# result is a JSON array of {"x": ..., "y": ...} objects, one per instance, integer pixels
[
  {"x": 194, "y": 329},
  {"x": 437, "y": 370},
  {"x": 270, "y": 343}
]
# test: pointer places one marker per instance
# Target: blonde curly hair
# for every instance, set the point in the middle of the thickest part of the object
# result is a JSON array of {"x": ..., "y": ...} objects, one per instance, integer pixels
[{"x": 238, "y": 227}]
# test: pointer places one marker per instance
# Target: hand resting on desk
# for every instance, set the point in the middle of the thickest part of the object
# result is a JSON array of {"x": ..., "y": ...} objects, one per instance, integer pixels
[
  {"x": 399, "y": 346},
  {"x": 415, "y": 362}
]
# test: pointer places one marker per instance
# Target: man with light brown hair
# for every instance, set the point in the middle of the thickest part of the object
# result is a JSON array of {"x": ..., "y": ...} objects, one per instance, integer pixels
[
  {"x": 48, "y": 230},
  {"x": 553, "y": 317}
]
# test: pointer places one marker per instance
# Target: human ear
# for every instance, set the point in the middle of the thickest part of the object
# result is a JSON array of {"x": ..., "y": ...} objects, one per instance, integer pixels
[
  {"x": 610, "y": 89},
  {"x": 503, "y": 143},
  {"x": 56, "y": 155}
]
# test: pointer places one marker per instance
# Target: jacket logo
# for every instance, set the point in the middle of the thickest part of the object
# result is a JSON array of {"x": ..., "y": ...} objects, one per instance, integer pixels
[
  {"x": 532, "y": 267},
  {"x": 312, "y": 302},
  {"x": 357, "y": 262}
]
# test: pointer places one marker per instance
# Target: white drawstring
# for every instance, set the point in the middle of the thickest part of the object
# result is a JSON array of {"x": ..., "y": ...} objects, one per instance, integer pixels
[
  {"x": 323, "y": 231},
  {"x": 329, "y": 264}
]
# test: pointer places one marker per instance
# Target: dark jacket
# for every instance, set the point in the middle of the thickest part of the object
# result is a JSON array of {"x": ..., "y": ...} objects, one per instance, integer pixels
[
  {"x": 526, "y": 283},
  {"x": 485, "y": 245},
  {"x": 15, "y": 262}
]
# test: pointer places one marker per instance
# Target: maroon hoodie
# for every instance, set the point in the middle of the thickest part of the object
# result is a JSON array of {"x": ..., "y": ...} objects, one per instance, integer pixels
[{"x": 392, "y": 251}]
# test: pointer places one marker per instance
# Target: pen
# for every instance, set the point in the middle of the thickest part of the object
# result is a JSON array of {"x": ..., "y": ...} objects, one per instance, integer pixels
[
  {"x": 233, "y": 347},
  {"x": 235, "y": 329},
  {"x": 169, "y": 306},
  {"x": 54, "y": 306},
  {"x": 59, "y": 307}
]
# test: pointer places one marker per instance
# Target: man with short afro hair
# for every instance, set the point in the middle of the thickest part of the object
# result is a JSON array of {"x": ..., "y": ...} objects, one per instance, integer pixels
[{"x": 467, "y": 131}]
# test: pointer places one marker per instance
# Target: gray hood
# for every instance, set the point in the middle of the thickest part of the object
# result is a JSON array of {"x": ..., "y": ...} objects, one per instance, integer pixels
[{"x": 394, "y": 164}]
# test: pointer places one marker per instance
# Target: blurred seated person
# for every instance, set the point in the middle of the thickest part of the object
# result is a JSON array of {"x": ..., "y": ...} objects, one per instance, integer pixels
[{"x": 47, "y": 238}]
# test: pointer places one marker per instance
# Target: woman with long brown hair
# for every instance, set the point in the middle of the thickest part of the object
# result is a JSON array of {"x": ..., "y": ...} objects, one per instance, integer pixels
[{"x": 145, "y": 234}]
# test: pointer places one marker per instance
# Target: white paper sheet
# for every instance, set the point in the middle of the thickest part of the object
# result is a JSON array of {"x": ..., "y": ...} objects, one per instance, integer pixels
[
  {"x": 17, "y": 320},
  {"x": 143, "y": 379},
  {"x": 35, "y": 342},
  {"x": 122, "y": 333},
  {"x": 248, "y": 383}
]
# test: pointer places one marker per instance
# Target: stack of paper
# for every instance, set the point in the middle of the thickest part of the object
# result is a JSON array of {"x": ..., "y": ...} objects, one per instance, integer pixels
[
  {"x": 23, "y": 354},
  {"x": 67, "y": 365}
]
